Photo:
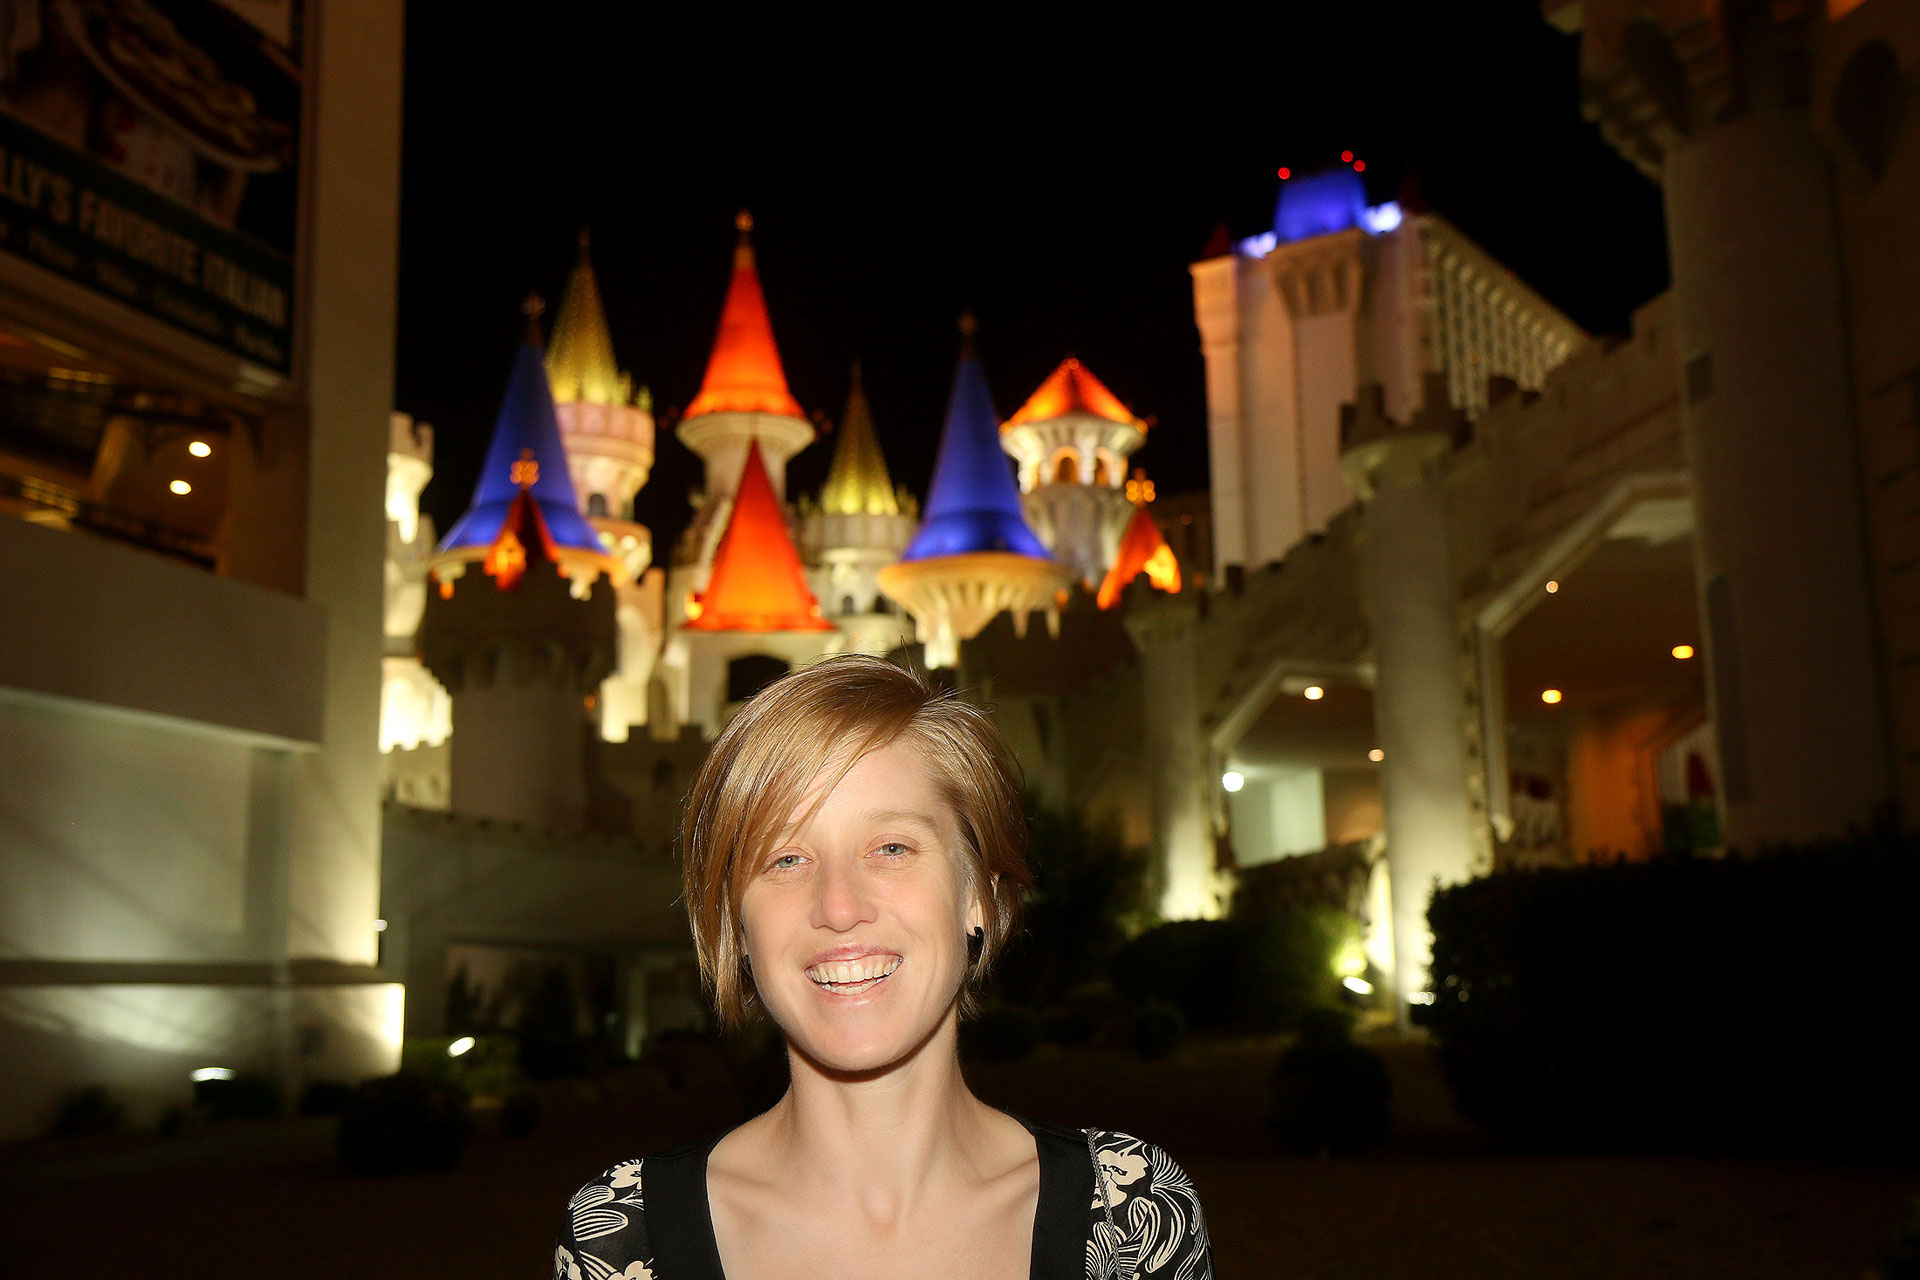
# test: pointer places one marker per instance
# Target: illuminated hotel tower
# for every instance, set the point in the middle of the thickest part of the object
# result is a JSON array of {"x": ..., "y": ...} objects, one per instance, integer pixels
[
  {"x": 1072, "y": 439},
  {"x": 974, "y": 555},
  {"x": 607, "y": 428},
  {"x": 519, "y": 620}
]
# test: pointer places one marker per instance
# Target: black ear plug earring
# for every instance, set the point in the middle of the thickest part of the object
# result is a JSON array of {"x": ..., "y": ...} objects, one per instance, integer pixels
[{"x": 976, "y": 943}]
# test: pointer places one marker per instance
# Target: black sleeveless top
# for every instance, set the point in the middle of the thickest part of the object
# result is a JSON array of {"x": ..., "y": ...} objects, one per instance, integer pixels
[{"x": 1111, "y": 1207}]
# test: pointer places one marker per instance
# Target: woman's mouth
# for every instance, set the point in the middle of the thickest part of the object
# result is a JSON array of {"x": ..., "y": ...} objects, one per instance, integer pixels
[{"x": 852, "y": 977}]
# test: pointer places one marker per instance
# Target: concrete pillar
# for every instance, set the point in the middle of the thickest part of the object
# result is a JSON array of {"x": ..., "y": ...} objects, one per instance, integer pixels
[
  {"x": 1780, "y": 545},
  {"x": 1177, "y": 757},
  {"x": 1408, "y": 594}
]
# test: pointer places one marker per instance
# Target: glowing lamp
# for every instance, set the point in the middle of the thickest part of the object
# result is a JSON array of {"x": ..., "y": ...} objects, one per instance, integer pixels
[
  {"x": 379, "y": 926},
  {"x": 1313, "y": 693},
  {"x": 1683, "y": 651},
  {"x": 200, "y": 448},
  {"x": 181, "y": 487},
  {"x": 1552, "y": 587},
  {"x": 1551, "y": 696},
  {"x": 460, "y": 1046},
  {"x": 200, "y": 1075},
  {"x": 1232, "y": 780},
  {"x": 1346, "y": 157},
  {"x": 1376, "y": 755},
  {"x": 1359, "y": 986},
  {"x": 1285, "y": 174},
  {"x": 1420, "y": 997},
  {"x": 1359, "y": 166}
]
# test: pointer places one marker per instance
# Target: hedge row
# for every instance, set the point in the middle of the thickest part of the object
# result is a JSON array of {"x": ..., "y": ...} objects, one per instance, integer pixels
[{"x": 1750, "y": 1004}]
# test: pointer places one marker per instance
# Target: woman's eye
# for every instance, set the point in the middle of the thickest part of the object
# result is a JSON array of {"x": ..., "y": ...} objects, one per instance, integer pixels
[
  {"x": 894, "y": 849},
  {"x": 786, "y": 862}
]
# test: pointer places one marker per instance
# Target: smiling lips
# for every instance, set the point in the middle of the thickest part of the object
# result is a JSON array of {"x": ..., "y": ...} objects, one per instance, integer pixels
[{"x": 855, "y": 976}]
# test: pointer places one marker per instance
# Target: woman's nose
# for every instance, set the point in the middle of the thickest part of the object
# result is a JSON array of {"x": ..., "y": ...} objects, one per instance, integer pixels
[{"x": 841, "y": 900}]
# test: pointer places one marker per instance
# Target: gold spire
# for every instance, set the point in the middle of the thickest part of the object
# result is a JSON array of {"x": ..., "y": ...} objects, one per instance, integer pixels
[
  {"x": 580, "y": 363},
  {"x": 857, "y": 481}
]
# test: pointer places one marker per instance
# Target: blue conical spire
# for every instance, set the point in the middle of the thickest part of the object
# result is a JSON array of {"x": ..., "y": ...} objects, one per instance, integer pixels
[
  {"x": 973, "y": 503},
  {"x": 526, "y": 426}
]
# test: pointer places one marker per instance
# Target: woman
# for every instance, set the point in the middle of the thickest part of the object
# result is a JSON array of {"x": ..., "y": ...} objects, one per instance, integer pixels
[{"x": 853, "y": 863}]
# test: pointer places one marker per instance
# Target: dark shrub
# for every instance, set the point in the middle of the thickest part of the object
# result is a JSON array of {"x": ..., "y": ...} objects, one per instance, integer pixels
[
  {"x": 1087, "y": 896},
  {"x": 520, "y": 1114},
  {"x": 88, "y": 1110},
  {"x": 1006, "y": 1034},
  {"x": 1066, "y": 1024},
  {"x": 325, "y": 1098},
  {"x": 245, "y": 1097},
  {"x": 404, "y": 1124},
  {"x": 1155, "y": 1029},
  {"x": 1330, "y": 1094},
  {"x": 1256, "y": 975},
  {"x": 1751, "y": 1004},
  {"x": 1188, "y": 964}
]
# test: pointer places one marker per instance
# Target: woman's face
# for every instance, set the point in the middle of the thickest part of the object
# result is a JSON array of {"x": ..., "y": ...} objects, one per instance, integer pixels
[{"x": 856, "y": 922}]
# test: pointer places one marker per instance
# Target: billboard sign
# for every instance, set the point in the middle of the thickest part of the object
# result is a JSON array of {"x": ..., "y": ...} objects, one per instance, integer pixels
[{"x": 148, "y": 151}]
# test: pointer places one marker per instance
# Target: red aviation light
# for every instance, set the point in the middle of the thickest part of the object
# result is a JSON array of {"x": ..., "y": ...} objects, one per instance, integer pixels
[
  {"x": 1346, "y": 157},
  {"x": 1359, "y": 166},
  {"x": 1285, "y": 174}
]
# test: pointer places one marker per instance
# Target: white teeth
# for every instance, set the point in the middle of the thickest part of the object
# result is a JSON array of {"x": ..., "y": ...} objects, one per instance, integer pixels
[{"x": 840, "y": 975}]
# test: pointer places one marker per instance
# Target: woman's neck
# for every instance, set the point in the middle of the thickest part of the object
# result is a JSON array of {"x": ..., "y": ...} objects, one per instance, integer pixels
[{"x": 891, "y": 1137}]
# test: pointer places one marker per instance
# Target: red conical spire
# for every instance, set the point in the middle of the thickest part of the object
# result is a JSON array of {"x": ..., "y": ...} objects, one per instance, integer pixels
[
  {"x": 1143, "y": 549},
  {"x": 744, "y": 374},
  {"x": 757, "y": 583}
]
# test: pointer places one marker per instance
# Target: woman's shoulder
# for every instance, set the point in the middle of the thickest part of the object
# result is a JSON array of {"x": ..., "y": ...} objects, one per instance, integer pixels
[
  {"x": 1146, "y": 1215},
  {"x": 604, "y": 1233}
]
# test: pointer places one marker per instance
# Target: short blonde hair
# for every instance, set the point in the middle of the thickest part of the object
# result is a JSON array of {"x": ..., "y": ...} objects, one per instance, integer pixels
[{"x": 827, "y": 716}]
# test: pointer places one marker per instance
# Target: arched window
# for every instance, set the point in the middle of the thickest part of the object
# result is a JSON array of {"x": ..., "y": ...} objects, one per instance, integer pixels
[
  {"x": 1102, "y": 474},
  {"x": 1066, "y": 467},
  {"x": 1868, "y": 102},
  {"x": 749, "y": 675},
  {"x": 596, "y": 504}
]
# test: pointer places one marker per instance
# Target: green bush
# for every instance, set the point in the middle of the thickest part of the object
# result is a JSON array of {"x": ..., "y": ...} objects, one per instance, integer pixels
[
  {"x": 1757, "y": 1004},
  {"x": 1328, "y": 1093},
  {"x": 88, "y": 1110},
  {"x": 1005, "y": 1034},
  {"x": 404, "y": 1123},
  {"x": 1087, "y": 900},
  {"x": 1155, "y": 1029},
  {"x": 1253, "y": 975}
]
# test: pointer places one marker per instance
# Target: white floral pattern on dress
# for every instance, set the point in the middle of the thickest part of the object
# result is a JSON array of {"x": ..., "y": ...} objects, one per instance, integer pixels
[
  {"x": 1157, "y": 1228},
  {"x": 1149, "y": 1225}
]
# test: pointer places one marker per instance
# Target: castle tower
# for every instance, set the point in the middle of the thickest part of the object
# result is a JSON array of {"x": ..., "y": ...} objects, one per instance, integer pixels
[
  {"x": 757, "y": 619},
  {"x": 974, "y": 555},
  {"x": 1072, "y": 439},
  {"x": 743, "y": 400},
  {"x": 519, "y": 623},
  {"x": 860, "y": 525},
  {"x": 607, "y": 428},
  {"x": 1143, "y": 549}
]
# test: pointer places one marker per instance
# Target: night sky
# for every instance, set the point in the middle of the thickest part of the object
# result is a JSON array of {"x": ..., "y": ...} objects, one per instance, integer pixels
[{"x": 1055, "y": 178}]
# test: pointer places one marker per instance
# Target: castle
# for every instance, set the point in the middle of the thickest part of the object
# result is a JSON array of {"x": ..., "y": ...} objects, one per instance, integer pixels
[{"x": 1469, "y": 589}]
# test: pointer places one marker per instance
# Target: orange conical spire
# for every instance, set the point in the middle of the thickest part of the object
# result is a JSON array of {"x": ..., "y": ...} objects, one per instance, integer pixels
[
  {"x": 744, "y": 374},
  {"x": 1143, "y": 549},
  {"x": 757, "y": 583}
]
